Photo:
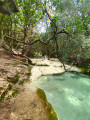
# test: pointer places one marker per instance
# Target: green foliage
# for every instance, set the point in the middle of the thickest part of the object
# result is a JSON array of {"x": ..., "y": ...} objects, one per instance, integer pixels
[
  {"x": 71, "y": 16},
  {"x": 28, "y": 10},
  {"x": 7, "y": 7},
  {"x": 55, "y": 19}
]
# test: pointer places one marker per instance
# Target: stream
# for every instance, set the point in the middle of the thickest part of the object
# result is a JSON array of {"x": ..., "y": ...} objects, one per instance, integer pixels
[{"x": 69, "y": 94}]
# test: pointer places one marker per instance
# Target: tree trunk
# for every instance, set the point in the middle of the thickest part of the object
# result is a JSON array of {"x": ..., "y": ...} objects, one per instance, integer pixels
[
  {"x": 58, "y": 54},
  {"x": 29, "y": 53},
  {"x": 56, "y": 48},
  {"x": 25, "y": 35}
]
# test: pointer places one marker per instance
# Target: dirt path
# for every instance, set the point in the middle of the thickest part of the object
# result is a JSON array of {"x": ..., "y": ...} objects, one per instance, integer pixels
[{"x": 27, "y": 106}]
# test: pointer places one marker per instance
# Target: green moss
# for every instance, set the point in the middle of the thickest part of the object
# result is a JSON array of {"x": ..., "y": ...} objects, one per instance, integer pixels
[
  {"x": 47, "y": 106},
  {"x": 1, "y": 88},
  {"x": 15, "y": 63},
  {"x": 7, "y": 64},
  {"x": 24, "y": 60},
  {"x": 0, "y": 98},
  {"x": 15, "y": 91},
  {"x": 19, "y": 63},
  {"x": 85, "y": 70},
  {"x": 13, "y": 79},
  {"x": 5, "y": 92},
  {"x": 23, "y": 81},
  {"x": 24, "y": 63},
  {"x": 29, "y": 72}
]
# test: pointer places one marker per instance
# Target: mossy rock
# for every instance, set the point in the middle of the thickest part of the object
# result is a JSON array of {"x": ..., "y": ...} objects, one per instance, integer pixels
[
  {"x": 13, "y": 79},
  {"x": 47, "y": 106}
]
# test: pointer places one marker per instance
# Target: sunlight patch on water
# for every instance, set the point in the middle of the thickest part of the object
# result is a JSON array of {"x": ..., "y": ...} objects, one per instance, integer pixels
[
  {"x": 84, "y": 81},
  {"x": 73, "y": 100}
]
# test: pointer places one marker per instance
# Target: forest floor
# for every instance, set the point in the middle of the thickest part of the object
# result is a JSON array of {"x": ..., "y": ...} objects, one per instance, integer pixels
[{"x": 15, "y": 77}]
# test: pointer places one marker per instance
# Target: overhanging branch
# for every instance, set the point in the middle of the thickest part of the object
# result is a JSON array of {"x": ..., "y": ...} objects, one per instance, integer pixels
[
  {"x": 31, "y": 42},
  {"x": 46, "y": 43}
]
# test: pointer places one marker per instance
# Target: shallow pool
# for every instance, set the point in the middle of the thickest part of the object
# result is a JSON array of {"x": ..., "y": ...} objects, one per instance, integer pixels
[{"x": 69, "y": 94}]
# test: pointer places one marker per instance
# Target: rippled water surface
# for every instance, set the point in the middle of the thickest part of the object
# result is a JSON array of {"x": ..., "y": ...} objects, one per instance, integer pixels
[{"x": 69, "y": 94}]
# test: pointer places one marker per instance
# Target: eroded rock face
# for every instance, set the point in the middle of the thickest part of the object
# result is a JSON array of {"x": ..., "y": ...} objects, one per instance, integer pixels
[
  {"x": 48, "y": 67},
  {"x": 45, "y": 67}
]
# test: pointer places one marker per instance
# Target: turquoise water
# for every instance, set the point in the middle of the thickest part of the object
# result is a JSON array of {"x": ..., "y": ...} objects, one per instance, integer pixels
[{"x": 69, "y": 94}]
